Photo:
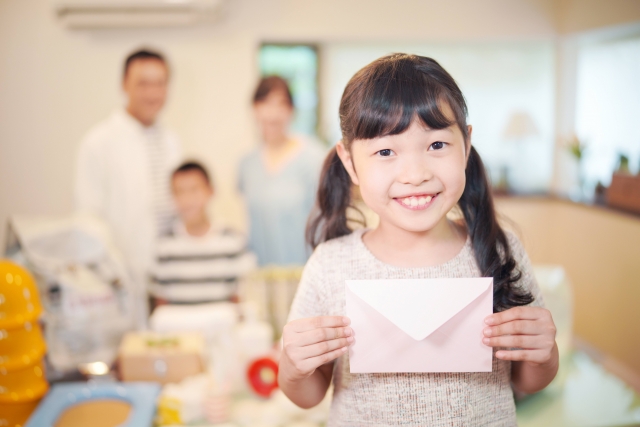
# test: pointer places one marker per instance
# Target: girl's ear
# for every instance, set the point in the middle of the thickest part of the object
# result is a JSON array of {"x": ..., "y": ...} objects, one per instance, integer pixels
[
  {"x": 467, "y": 143},
  {"x": 347, "y": 161}
]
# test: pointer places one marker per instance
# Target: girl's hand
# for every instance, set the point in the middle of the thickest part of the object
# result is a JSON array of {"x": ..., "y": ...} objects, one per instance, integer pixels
[
  {"x": 312, "y": 342},
  {"x": 530, "y": 329}
]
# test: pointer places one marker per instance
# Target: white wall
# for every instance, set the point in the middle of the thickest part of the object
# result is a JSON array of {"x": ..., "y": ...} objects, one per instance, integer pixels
[
  {"x": 574, "y": 16},
  {"x": 55, "y": 83}
]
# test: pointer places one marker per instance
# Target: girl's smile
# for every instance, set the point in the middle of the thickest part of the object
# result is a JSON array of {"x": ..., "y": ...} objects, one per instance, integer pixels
[{"x": 416, "y": 202}]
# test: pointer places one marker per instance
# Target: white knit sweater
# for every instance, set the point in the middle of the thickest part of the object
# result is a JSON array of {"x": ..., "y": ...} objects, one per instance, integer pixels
[{"x": 408, "y": 399}]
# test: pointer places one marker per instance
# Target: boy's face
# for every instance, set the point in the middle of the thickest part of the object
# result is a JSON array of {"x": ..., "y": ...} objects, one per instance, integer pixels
[{"x": 192, "y": 193}]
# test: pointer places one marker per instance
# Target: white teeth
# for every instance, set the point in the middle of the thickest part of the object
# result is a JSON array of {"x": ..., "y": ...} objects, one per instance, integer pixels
[{"x": 413, "y": 201}]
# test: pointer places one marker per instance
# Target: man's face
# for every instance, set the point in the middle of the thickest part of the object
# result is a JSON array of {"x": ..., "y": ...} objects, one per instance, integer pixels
[
  {"x": 145, "y": 84},
  {"x": 192, "y": 194}
]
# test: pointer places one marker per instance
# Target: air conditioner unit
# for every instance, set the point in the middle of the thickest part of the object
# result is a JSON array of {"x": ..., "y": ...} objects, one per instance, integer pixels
[{"x": 136, "y": 13}]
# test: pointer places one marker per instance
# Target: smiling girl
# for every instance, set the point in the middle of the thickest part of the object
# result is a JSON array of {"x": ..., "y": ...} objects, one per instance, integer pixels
[{"x": 407, "y": 145}]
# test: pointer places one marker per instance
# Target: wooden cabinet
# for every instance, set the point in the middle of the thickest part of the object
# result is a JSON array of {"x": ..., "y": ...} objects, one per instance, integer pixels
[
  {"x": 600, "y": 251},
  {"x": 624, "y": 192}
]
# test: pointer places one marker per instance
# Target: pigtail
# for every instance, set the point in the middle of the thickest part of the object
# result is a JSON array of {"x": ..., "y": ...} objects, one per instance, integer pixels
[
  {"x": 490, "y": 244},
  {"x": 333, "y": 199}
]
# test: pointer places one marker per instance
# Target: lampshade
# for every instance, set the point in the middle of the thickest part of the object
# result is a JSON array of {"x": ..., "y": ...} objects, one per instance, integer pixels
[{"x": 519, "y": 126}]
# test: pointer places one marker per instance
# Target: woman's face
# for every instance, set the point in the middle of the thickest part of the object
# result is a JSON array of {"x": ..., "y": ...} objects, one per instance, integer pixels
[{"x": 273, "y": 115}]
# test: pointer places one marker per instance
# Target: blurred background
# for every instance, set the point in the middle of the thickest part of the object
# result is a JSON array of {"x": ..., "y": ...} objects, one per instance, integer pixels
[
  {"x": 553, "y": 89},
  {"x": 535, "y": 73}
]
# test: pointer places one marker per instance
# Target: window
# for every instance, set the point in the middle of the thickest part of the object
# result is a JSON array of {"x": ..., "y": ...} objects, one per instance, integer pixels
[
  {"x": 608, "y": 107},
  {"x": 509, "y": 89},
  {"x": 298, "y": 64}
]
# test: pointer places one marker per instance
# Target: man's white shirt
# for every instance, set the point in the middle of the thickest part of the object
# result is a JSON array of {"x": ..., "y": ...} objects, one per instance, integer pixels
[{"x": 123, "y": 177}]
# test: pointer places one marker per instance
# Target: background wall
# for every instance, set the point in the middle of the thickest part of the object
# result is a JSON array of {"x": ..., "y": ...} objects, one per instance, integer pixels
[
  {"x": 56, "y": 83},
  {"x": 499, "y": 80}
]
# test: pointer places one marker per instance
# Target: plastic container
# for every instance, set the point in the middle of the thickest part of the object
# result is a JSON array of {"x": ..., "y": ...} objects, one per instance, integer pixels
[
  {"x": 19, "y": 300},
  {"x": 217, "y": 403},
  {"x": 23, "y": 385},
  {"x": 254, "y": 337},
  {"x": 21, "y": 346},
  {"x": 17, "y": 413}
]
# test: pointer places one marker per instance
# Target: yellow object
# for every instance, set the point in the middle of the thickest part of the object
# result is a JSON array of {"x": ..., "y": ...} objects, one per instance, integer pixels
[
  {"x": 19, "y": 300},
  {"x": 23, "y": 385},
  {"x": 16, "y": 414},
  {"x": 21, "y": 346},
  {"x": 169, "y": 411}
]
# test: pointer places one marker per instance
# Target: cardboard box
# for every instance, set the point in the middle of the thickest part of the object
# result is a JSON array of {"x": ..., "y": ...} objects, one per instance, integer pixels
[
  {"x": 624, "y": 192},
  {"x": 164, "y": 358}
]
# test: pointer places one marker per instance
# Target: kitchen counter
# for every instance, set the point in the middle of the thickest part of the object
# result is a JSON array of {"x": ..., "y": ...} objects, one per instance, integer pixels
[{"x": 599, "y": 247}]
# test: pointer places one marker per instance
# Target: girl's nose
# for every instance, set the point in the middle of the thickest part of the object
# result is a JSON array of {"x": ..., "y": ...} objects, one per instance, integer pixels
[{"x": 415, "y": 171}]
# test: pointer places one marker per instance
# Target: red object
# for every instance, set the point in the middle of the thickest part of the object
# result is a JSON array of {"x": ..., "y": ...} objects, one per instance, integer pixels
[{"x": 263, "y": 376}]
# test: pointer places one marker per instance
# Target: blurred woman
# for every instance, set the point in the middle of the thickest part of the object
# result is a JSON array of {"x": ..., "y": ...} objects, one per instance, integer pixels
[{"x": 279, "y": 179}]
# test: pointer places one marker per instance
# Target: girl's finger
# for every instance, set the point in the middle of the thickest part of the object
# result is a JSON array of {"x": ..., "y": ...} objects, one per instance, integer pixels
[
  {"x": 313, "y": 363},
  {"x": 516, "y": 327},
  {"x": 310, "y": 323},
  {"x": 535, "y": 356},
  {"x": 323, "y": 334},
  {"x": 323, "y": 347},
  {"x": 515, "y": 313},
  {"x": 518, "y": 341}
]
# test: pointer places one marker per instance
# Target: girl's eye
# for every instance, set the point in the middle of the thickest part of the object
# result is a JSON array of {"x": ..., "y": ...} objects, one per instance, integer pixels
[
  {"x": 385, "y": 153},
  {"x": 438, "y": 145}
]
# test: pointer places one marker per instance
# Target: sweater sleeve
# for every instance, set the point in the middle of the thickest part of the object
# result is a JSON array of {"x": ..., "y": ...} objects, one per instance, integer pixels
[{"x": 310, "y": 300}]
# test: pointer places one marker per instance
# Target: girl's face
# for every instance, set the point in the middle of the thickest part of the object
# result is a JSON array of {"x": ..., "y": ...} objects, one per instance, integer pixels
[{"x": 411, "y": 180}]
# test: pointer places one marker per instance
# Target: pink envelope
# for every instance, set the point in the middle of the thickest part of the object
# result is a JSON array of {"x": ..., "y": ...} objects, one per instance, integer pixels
[{"x": 419, "y": 325}]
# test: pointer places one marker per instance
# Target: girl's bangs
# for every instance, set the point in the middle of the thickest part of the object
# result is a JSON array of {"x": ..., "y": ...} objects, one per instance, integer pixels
[{"x": 398, "y": 95}]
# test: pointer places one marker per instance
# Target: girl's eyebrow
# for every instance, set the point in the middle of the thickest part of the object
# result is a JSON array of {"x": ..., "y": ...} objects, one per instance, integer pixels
[
  {"x": 376, "y": 139},
  {"x": 447, "y": 129}
]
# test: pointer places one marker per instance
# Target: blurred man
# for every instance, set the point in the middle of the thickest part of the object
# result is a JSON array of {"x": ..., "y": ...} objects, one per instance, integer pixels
[{"x": 124, "y": 165}]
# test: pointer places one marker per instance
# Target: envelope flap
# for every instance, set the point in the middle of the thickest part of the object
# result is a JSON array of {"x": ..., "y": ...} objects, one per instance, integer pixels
[{"x": 419, "y": 306}]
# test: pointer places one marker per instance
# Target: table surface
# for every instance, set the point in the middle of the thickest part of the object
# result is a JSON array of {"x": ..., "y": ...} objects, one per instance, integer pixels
[{"x": 583, "y": 394}]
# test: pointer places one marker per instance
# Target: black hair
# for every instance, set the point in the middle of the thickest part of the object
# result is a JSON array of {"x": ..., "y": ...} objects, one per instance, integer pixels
[
  {"x": 140, "y": 55},
  {"x": 269, "y": 84},
  {"x": 193, "y": 166},
  {"x": 384, "y": 98}
]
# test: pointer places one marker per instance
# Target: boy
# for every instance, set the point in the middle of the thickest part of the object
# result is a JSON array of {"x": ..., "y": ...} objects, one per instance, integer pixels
[{"x": 197, "y": 261}]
